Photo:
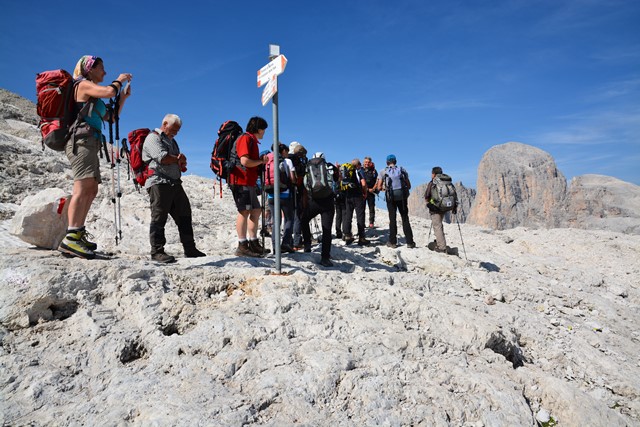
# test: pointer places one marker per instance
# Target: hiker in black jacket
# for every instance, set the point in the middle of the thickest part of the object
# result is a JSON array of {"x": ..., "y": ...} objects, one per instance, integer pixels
[{"x": 370, "y": 177}]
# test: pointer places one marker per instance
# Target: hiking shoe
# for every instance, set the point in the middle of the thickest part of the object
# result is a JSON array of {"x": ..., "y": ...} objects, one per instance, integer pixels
[
  {"x": 84, "y": 238},
  {"x": 363, "y": 242},
  {"x": 348, "y": 239},
  {"x": 411, "y": 245},
  {"x": 72, "y": 244},
  {"x": 163, "y": 257},
  {"x": 244, "y": 250},
  {"x": 392, "y": 245},
  {"x": 193, "y": 253},
  {"x": 257, "y": 247},
  {"x": 338, "y": 234},
  {"x": 325, "y": 262},
  {"x": 286, "y": 249}
]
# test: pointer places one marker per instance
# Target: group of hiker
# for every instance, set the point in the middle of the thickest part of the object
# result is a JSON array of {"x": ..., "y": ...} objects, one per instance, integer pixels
[{"x": 308, "y": 187}]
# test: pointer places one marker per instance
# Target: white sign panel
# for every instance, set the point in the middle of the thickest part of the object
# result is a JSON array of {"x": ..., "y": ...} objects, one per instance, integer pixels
[
  {"x": 269, "y": 90},
  {"x": 273, "y": 68}
]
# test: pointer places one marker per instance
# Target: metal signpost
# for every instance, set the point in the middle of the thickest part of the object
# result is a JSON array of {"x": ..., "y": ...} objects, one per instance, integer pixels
[{"x": 269, "y": 75}]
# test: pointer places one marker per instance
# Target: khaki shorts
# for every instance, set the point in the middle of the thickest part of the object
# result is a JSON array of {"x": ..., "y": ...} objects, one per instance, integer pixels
[{"x": 85, "y": 163}]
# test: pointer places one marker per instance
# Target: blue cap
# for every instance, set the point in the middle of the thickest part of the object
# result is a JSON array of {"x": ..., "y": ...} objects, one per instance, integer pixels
[{"x": 391, "y": 158}]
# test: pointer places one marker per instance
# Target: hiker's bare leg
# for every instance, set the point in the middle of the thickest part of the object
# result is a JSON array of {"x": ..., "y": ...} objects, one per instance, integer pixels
[
  {"x": 241, "y": 224},
  {"x": 254, "y": 222},
  {"x": 84, "y": 192}
]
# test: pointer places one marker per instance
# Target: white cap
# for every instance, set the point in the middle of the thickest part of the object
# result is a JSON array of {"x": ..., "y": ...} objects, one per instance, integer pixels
[
  {"x": 293, "y": 146},
  {"x": 319, "y": 155}
]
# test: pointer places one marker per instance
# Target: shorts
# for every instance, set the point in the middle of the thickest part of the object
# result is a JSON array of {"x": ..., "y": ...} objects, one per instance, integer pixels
[
  {"x": 85, "y": 162},
  {"x": 246, "y": 198}
]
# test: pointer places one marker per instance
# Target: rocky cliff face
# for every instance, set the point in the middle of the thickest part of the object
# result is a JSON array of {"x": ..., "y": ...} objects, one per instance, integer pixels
[
  {"x": 518, "y": 185},
  {"x": 603, "y": 202}
]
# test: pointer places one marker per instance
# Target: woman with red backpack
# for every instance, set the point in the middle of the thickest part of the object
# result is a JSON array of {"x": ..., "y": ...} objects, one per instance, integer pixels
[{"x": 83, "y": 148}]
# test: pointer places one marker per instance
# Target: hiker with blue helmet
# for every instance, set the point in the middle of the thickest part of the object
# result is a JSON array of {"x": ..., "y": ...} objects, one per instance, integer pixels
[
  {"x": 84, "y": 146},
  {"x": 394, "y": 180}
]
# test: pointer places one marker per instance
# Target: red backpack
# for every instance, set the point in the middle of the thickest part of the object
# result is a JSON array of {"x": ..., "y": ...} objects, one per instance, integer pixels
[
  {"x": 56, "y": 107},
  {"x": 269, "y": 172},
  {"x": 141, "y": 169}
]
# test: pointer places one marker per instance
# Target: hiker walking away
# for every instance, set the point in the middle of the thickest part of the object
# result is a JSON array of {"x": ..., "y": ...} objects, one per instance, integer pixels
[
  {"x": 355, "y": 188},
  {"x": 286, "y": 200},
  {"x": 166, "y": 195},
  {"x": 243, "y": 179},
  {"x": 84, "y": 146},
  {"x": 339, "y": 202},
  {"x": 298, "y": 156},
  {"x": 394, "y": 180},
  {"x": 319, "y": 199},
  {"x": 437, "y": 208},
  {"x": 371, "y": 178}
]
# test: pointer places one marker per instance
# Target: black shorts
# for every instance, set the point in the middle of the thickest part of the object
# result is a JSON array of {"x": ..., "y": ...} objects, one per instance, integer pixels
[{"x": 246, "y": 198}]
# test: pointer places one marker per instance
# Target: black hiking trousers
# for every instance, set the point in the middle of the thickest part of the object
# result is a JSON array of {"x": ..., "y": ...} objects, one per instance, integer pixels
[
  {"x": 354, "y": 203},
  {"x": 325, "y": 207},
  {"x": 169, "y": 199},
  {"x": 403, "y": 208}
]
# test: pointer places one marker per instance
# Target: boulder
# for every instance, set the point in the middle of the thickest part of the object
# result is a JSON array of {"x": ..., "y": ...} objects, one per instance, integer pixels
[{"x": 41, "y": 219}]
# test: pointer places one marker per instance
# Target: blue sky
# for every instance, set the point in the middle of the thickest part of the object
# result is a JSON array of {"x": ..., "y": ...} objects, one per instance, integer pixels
[{"x": 434, "y": 82}]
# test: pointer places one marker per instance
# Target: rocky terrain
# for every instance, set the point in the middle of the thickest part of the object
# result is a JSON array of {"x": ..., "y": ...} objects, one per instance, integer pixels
[{"x": 525, "y": 327}]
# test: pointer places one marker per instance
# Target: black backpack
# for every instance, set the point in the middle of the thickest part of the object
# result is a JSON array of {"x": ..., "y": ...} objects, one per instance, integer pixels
[
  {"x": 318, "y": 179},
  {"x": 224, "y": 156}
]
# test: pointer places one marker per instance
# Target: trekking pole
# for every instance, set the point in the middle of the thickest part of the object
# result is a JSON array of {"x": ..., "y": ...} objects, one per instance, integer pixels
[
  {"x": 113, "y": 172},
  {"x": 118, "y": 160},
  {"x": 262, "y": 199},
  {"x": 460, "y": 230}
]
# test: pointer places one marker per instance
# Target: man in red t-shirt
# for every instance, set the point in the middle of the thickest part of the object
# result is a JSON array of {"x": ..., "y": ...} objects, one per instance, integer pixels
[{"x": 243, "y": 186}]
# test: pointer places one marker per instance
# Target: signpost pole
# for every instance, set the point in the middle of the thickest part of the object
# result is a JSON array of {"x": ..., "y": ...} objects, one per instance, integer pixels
[{"x": 274, "y": 51}]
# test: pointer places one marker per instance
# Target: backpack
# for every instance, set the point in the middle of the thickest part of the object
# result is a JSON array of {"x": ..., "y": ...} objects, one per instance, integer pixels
[
  {"x": 396, "y": 183},
  {"x": 141, "y": 169},
  {"x": 269, "y": 174},
  {"x": 349, "y": 177},
  {"x": 299, "y": 166},
  {"x": 56, "y": 108},
  {"x": 370, "y": 175},
  {"x": 224, "y": 156},
  {"x": 443, "y": 193},
  {"x": 318, "y": 179}
]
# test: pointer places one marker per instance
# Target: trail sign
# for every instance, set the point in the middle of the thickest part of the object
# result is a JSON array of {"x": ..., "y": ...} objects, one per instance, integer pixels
[
  {"x": 272, "y": 69},
  {"x": 269, "y": 90}
]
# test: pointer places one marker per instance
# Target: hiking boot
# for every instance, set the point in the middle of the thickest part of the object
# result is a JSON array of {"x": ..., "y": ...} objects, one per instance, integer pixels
[
  {"x": 286, "y": 249},
  {"x": 257, "y": 247},
  {"x": 89, "y": 245},
  {"x": 348, "y": 239},
  {"x": 72, "y": 244},
  {"x": 338, "y": 234},
  {"x": 193, "y": 253},
  {"x": 244, "y": 250},
  {"x": 411, "y": 245},
  {"x": 325, "y": 262},
  {"x": 363, "y": 242},
  {"x": 392, "y": 245},
  {"x": 163, "y": 257}
]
